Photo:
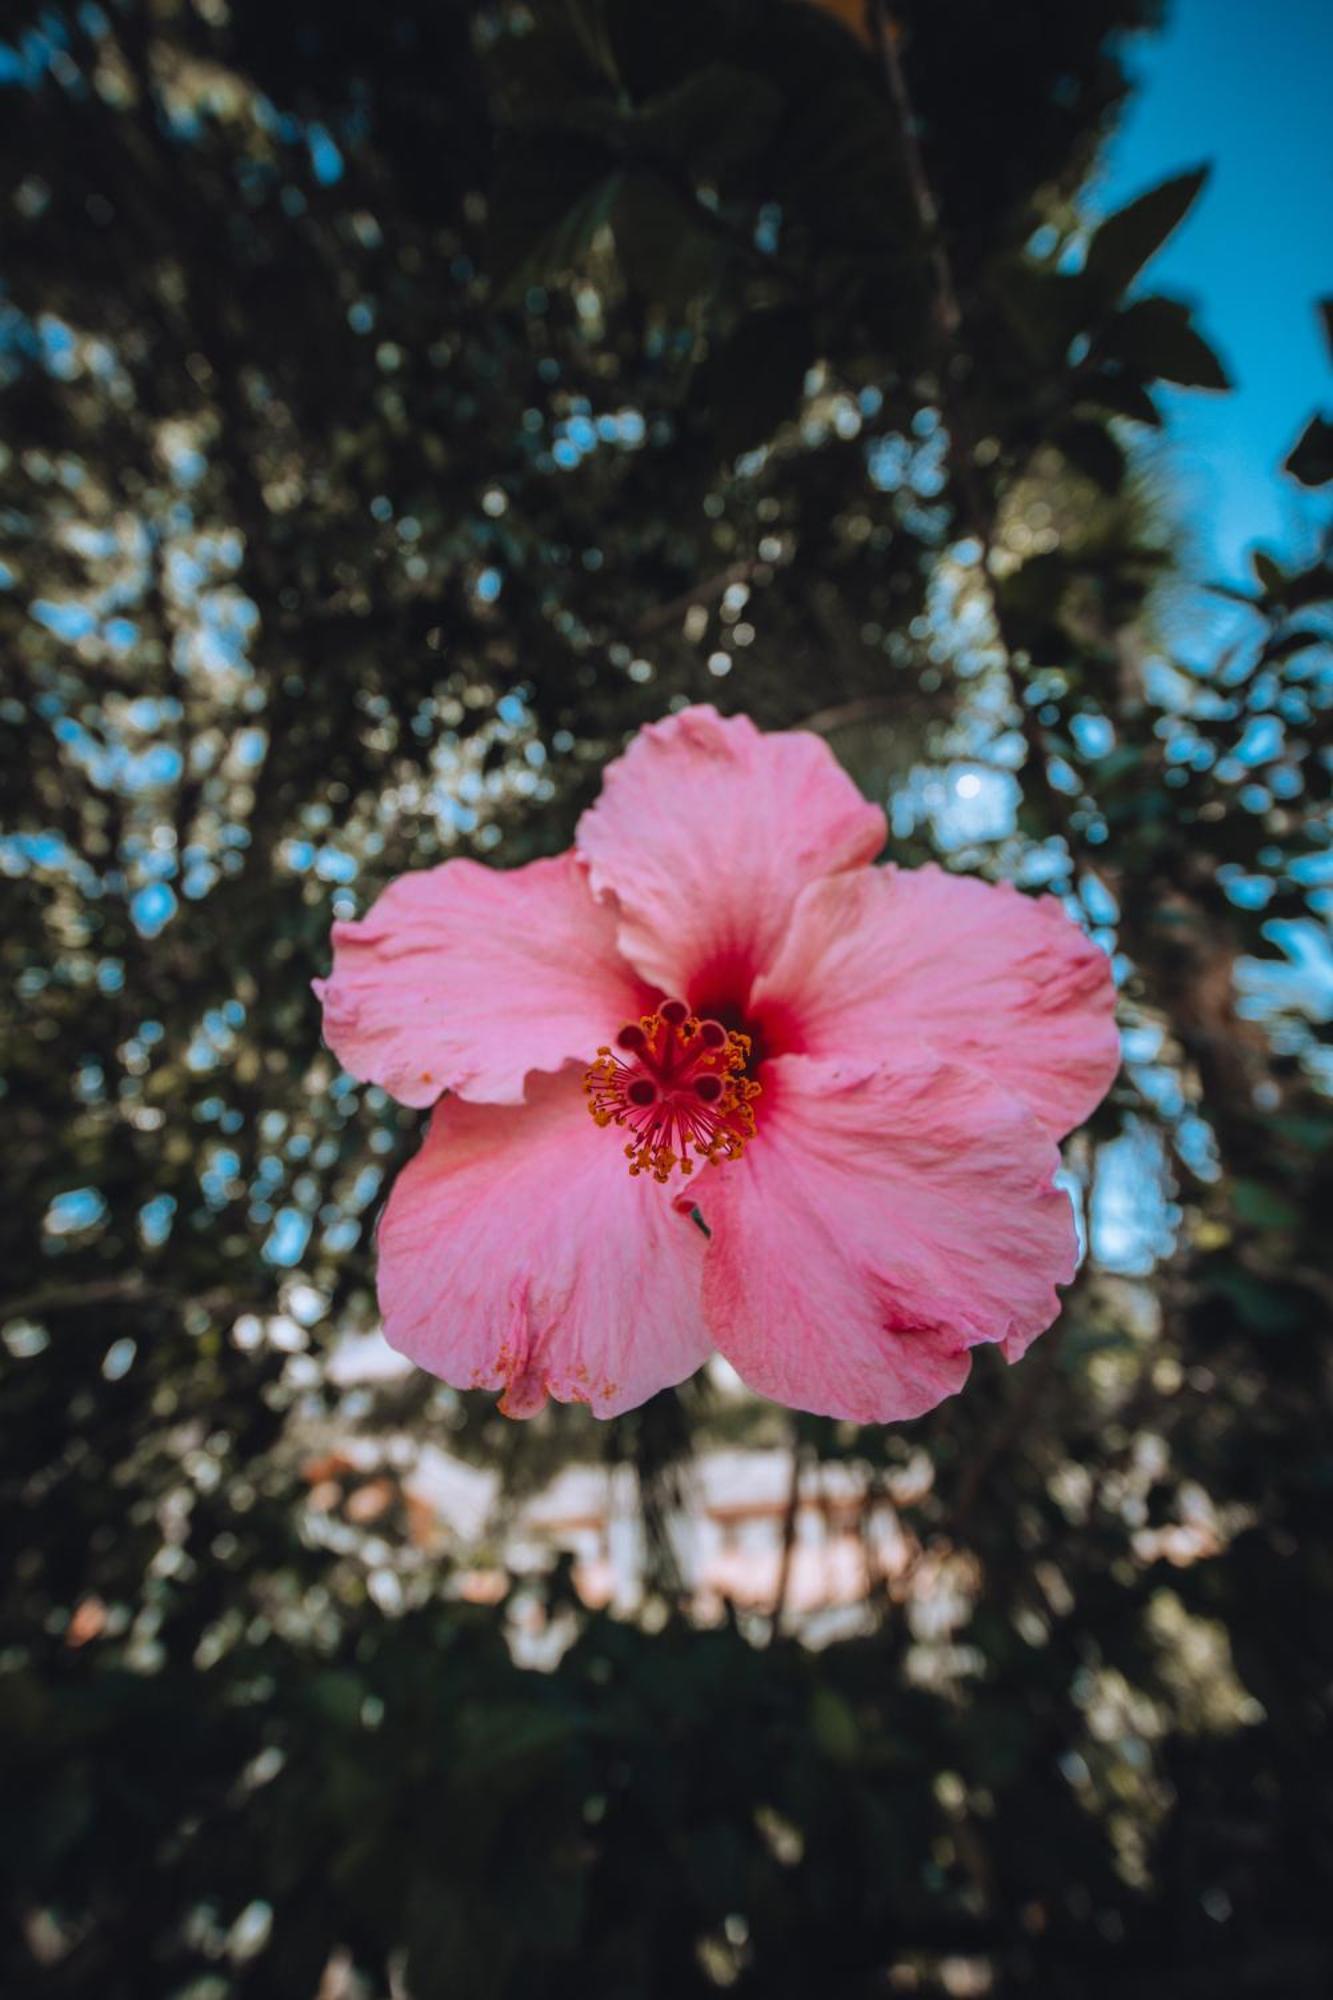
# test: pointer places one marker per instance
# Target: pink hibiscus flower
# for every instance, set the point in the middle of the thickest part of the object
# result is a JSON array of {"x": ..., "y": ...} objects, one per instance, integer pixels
[{"x": 714, "y": 1007}]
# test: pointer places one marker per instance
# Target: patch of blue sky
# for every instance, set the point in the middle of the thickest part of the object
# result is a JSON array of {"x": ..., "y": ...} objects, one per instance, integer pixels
[
  {"x": 152, "y": 908},
  {"x": 188, "y": 464},
  {"x": 965, "y": 805},
  {"x": 326, "y": 161},
  {"x": 159, "y": 865},
  {"x": 74, "y": 1210},
  {"x": 280, "y": 123},
  {"x": 1159, "y": 1085},
  {"x": 97, "y": 544},
  {"x": 219, "y": 1179},
  {"x": 1093, "y": 734},
  {"x": 1261, "y": 742},
  {"x": 1299, "y": 983},
  {"x": 1247, "y": 892},
  {"x": 218, "y": 1024},
  {"x": 288, "y": 1238},
  {"x": 887, "y": 460},
  {"x": 1132, "y": 1217},
  {"x": 67, "y": 620},
  {"x": 1247, "y": 92},
  {"x": 333, "y": 864},
  {"x": 24, "y": 63},
  {"x": 1097, "y": 900},
  {"x": 210, "y": 648},
  {"x": 489, "y": 585},
  {"x": 185, "y": 572},
  {"x": 20, "y": 853},
  {"x": 58, "y": 345},
  {"x": 155, "y": 1220},
  {"x": 1310, "y": 870},
  {"x": 119, "y": 1359},
  {"x": 90, "y": 1082},
  {"x": 160, "y": 765},
  {"x": 1073, "y": 1187}
]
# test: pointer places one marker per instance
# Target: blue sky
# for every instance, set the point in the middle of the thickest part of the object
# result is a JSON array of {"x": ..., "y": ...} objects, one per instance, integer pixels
[{"x": 1248, "y": 85}]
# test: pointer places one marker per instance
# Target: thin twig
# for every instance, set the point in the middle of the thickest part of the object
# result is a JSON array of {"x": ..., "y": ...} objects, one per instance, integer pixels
[
  {"x": 699, "y": 593},
  {"x": 788, "y": 1539},
  {"x": 887, "y": 34}
]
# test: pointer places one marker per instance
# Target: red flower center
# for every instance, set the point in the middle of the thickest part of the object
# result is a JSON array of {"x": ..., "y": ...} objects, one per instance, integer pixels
[{"x": 677, "y": 1086}]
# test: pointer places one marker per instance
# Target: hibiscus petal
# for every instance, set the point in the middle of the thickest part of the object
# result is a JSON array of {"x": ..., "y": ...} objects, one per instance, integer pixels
[
  {"x": 466, "y": 978},
  {"x": 883, "y": 1221},
  {"x": 706, "y": 831},
  {"x": 993, "y": 978},
  {"x": 517, "y": 1252}
]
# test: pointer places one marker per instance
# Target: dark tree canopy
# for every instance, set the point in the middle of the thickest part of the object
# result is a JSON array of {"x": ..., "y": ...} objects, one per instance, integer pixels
[{"x": 400, "y": 403}]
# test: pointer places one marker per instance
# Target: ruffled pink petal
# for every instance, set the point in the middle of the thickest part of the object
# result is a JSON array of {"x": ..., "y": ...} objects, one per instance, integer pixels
[
  {"x": 882, "y": 1222},
  {"x": 466, "y": 978},
  {"x": 705, "y": 832},
  {"x": 517, "y": 1253},
  {"x": 993, "y": 978}
]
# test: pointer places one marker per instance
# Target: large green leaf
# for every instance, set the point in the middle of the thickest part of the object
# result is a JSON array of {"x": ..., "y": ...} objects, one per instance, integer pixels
[
  {"x": 551, "y": 195},
  {"x": 1311, "y": 458},
  {"x": 753, "y": 380},
  {"x": 666, "y": 253},
  {"x": 1091, "y": 449},
  {"x": 1157, "y": 337},
  {"x": 1128, "y": 239},
  {"x": 713, "y": 120}
]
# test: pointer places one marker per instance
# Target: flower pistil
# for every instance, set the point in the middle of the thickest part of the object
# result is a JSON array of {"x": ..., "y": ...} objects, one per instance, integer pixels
[{"x": 677, "y": 1085}]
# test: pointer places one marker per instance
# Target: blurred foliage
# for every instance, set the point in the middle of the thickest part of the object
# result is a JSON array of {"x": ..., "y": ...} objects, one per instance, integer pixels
[{"x": 401, "y": 402}]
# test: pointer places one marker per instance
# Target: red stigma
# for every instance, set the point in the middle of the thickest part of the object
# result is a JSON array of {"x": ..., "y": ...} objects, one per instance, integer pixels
[{"x": 677, "y": 1086}]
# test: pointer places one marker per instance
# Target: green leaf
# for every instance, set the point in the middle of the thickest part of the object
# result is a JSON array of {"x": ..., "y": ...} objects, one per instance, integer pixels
[
  {"x": 657, "y": 46},
  {"x": 1157, "y": 337},
  {"x": 1263, "y": 1207},
  {"x": 1266, "y": 1308},
  {"x": 712, "y": 121},
  {"x": 550, "y": 198},
  {"x": 1091, "y": 449},
  {"x": 585, "y": 18},
  {"x": 1311, "y": 458},
  {"x": 754, "y": 379},
  {"x": 1123, "y": 396},
  {"x": 1268, "y": 572},
  {"x": 1128, "y": 239},
  {"x": 665, "y": 253},
  {"x": 1043, "y": 309},
  {"x": 834, "y": 1726},
  {"x": 339, "y": 1697}
]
